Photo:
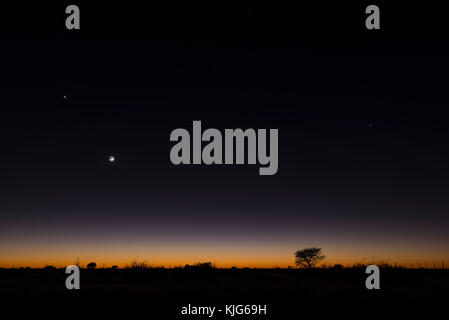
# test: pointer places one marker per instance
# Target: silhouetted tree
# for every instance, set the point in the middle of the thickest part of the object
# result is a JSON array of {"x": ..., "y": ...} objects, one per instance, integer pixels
[
  {"x": 114, "y": 267},
  {"x": 91, "y": 265},
  {"x": 308, "y": 257}
]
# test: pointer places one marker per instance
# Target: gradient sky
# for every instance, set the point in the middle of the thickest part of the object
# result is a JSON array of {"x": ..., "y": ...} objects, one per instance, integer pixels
[{"x": 363, "y": 157}]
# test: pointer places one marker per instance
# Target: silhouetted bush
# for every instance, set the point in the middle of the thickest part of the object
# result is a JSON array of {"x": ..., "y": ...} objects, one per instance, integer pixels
[
  {"x": 91, "y": 265},
  {"x": 380, "y": 262},
  {"x": 49, "y": 267},
  {"x": 200, "y": 266},
  {"x": 138, "y": 265},
  {"x": 204, "y": 265},
  {"x": 78, "y": 263}
]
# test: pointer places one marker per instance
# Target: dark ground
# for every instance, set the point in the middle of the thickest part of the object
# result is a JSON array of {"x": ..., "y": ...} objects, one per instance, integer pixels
[{"x": 123, "y": 293}]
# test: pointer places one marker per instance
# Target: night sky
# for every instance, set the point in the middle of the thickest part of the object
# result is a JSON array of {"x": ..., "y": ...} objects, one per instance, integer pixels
[{"x": 363, "y": 136}]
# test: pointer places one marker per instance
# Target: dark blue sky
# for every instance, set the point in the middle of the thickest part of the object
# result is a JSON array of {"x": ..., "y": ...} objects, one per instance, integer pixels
[{"x": 362, "y": 125}]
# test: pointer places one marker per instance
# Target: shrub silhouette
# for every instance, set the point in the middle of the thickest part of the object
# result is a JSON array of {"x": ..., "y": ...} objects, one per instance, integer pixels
[
  {"x": 138, "y": 265},
  {"x": 380, "y": 262},
  {"x": 114, "y": 267},
  {"x": 204, "y": 265},
  {"x": 308, "y": 257},
  {"x": 200, "y": 266},
  {"x": 91, "y": 265},
  {"x": 78, "y": 263},
  {"x": 49, "y": 267}
]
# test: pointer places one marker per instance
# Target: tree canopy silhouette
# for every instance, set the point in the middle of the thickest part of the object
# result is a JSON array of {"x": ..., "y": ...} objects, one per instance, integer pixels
[{"x": 308, "y": 257}]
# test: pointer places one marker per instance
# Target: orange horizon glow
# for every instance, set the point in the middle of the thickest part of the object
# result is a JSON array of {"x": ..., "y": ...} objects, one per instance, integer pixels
[
  {"x": 239, "y": 260},
  {"x": 38, "y": 246},
  {"x": 107, "y": 264}
]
